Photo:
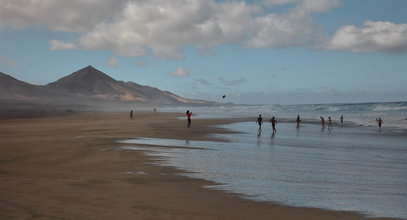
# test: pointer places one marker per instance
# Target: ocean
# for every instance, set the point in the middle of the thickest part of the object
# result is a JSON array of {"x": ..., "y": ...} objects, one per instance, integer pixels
[
  {"x": 352, "y": 167},
  {"x": 393, "y": 114}
]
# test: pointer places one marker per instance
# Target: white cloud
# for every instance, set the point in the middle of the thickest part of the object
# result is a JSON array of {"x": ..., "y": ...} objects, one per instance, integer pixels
[
  {"x": 57, "y": 15},
  {"x": 371, "y": 37},
  {"x": 136, "y": 27},
  {"x": 167, "y": 26},
  {"x": 292, "y": 28},
  {"x": 180, "y": 72},
  {"x": 61, "y": 45},
  {"x": 112, "y": 62}
]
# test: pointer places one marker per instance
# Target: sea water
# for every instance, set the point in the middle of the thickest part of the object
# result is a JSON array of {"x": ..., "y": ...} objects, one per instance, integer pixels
[
  {"x": 394, "y": 114},
  {"x": 359, "y": 169}
]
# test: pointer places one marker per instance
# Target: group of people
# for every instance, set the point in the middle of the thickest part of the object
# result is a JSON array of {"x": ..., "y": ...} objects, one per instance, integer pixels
[
  {"x": 273, "y": 122},
  {"x": 323, "y": 122}
]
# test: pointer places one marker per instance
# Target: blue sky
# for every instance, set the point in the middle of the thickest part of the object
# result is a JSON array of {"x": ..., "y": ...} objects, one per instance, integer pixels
[{"x": 255, "y": 52}]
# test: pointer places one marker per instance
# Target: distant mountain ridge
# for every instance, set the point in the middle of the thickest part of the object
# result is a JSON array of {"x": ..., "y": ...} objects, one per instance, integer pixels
[{"x": 90, "y": 86}]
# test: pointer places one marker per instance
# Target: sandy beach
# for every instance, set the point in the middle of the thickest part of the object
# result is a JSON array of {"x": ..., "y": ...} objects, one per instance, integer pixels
[{"x": 71, "y": 167}]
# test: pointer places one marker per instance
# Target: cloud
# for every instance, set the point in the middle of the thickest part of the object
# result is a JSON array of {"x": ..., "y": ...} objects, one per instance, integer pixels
[
  {"x": 137, "y": 27},
  {"x": 61, "y": 45},
  {"x": 307, "y": 5},
  {"x": 232, "y": 82},
  {"x": 166, "y": 26},
  {"x": 131, "y": 28},
  {"x": 57, "y": 15},
  {"x": 292, "y": 28},
  {"x": 180, "y": 72},
  {"x": 278, "y": 2},
  {"x": 371, "y": 37},
  {"x": 112, "y": 62},
  {"x": 203, "y": 82},
  {"x": 7, "y": 61}
]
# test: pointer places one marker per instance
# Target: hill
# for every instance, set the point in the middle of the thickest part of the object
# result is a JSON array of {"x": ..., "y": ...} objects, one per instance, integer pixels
[{"x": 92, "y": 88}]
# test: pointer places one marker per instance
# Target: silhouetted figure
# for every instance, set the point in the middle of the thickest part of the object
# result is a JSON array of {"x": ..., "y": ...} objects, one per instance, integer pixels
[
  {"x": 188, "y": 113},
  {"x": 259, "y": 121},
  {"x": 131, "y": 114},
  {"x": 379, "y": 122},
  {"x": 273, "y": 124},
  {"x": 341, "y": 119},
  {"x": 298, "y": 121},
  {"x": 224, "y": 96},
  {"x": 322, "y": 121},
  {"x": 155, "y": 110},
  {"x": 329, "y": 123}
]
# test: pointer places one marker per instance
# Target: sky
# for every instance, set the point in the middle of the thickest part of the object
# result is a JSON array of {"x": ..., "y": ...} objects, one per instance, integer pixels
[{"x": 253, "y": 51}]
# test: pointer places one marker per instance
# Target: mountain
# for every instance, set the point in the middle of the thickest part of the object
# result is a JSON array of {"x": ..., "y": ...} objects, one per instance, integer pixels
[
  {"x": 13, "y": 89},
  {"x": 86, "y": 81},
  {"x": 89, "y": 86},
  {"x": 92, "y": 83}
]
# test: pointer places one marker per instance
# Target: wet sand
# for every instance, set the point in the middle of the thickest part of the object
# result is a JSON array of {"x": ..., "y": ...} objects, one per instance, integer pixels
[{"x": 70, "y": 167}]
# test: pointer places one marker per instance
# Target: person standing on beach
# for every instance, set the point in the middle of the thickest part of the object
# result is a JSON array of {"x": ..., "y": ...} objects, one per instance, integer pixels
[
  {"x": 259, "y": 121},
  {"x": 379, "y": 122},
  {"x": 341, "y": 119},
  {"x": 329, "y": 123},
  {"x": 131, "y": 114},
  {"x": 298, "y": 121},
  {"x": 188, "y": 113},
  {"x": 273, "y": 124},
  {"x": 322, "y": 121}
]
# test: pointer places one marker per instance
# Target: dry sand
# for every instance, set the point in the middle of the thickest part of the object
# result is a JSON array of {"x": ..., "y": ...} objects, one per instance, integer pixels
[{"x": 69, "y": 167}]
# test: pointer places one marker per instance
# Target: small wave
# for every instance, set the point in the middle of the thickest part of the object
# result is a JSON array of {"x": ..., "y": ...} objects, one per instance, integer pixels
[
  {"x": 333, "y": 109},
  {"x": 389, "y": 108}
]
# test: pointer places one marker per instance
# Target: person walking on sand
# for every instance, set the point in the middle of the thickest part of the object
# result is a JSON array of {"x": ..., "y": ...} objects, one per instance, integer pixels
[
  {"x": 273, "y": 124},
  {"x": 298, "y": 121},
  {"x": 379, "y": 122},
  {"x": 329, "y": 123},
  {"x": 131, "y": 114},
  {"x": 322, "y": 121},
  {"x": 259, "y": 121},
  {"x": 188, "y": 113},
  {"x": 341, "y": 119}
]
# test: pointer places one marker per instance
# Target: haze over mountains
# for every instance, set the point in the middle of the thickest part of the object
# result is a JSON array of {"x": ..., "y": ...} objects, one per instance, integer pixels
[{"x": 91, "y": 89}]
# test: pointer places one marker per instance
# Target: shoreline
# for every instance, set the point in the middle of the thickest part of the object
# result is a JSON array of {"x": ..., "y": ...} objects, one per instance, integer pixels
[{"x": 69, "y": 167}]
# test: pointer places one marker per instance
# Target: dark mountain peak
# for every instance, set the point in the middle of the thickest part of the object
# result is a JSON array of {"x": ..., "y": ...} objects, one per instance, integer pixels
[{"x": 88, "y": 74}]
